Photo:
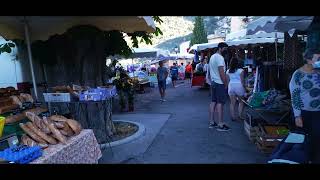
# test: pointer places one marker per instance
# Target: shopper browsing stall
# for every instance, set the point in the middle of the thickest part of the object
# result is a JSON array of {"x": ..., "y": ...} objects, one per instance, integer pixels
[
  {"x": 305, "y": 94},
  {"x": 236, "y": 87}
]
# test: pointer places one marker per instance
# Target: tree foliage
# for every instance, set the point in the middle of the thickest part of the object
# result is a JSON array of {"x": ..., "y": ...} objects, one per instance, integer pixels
[
  {"x": 199, "y": 34},
  {"x": 6, "y": 47}
]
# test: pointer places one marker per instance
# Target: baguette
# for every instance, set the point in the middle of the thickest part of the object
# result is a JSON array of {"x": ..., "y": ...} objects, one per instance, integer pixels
[
  {"x": 16, "y": 100},
  {"x": 14, "y": 118},
  {"x": 43, "y": 135},
  {"x": 67, "y": 130},
  {"x": 34, "y": 118},
  {"x": 26, "y": 140},
  {"x": 56, "y": 133},
  {"x": 32, "y": 134},
  {"x": 60, "y": 125},
  {"x": 26, "y": 97},
  {"x": 58, "y": 118},
  {"x": 44, "y": 127},
  {"x": 74, "y": 125},
  {"x": 36, "y": 111},
  {"x": 8, "y": 108}
]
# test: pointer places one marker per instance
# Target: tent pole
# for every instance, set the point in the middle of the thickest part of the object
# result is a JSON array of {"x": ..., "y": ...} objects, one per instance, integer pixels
[
  {"x": 276, "y": 46},
  {"x": 27, "y": 37}
]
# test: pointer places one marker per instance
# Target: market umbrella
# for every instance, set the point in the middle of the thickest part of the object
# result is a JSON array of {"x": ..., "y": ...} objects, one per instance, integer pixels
[{"x": 32, "y": 28}]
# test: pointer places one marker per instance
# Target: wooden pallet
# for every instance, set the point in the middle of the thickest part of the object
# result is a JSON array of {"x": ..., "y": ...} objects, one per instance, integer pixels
[
  {"x": 265, "y": 143},
  {"x": 251, "y": 132}
]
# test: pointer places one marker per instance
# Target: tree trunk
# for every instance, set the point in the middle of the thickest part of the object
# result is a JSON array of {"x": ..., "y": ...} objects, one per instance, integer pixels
[
  {"x": 96, "y": 116},
  {"x": 83, "y": 63}
]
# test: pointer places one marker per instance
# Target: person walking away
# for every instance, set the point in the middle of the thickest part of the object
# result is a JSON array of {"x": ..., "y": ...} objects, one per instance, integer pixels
[
  {"x": 305, "y": 97},
  {"x": 218, "y": 88},
  {"x": 188, "y": 72},
  {"x": 182, "y": 69},
  {"x": 236, "y": 87},
  {"x": 162, "y": 74},
  {"x": 174, "y": 74}
]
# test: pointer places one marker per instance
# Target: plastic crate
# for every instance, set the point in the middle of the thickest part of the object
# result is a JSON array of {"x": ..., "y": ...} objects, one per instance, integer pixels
[
  {"x": 90, "y": 97},
  {"x": 21, "y": 154},
  {"x": 57, "y": 97}
]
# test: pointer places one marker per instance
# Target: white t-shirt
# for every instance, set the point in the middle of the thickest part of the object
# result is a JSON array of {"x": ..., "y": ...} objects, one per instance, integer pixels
[
  {"x": 235, "y": 77},
  {"x": 216, "y": 60}
]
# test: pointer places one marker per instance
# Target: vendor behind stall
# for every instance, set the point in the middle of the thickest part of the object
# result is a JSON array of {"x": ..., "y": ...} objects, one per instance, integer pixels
[
  {"x": 305, "y": 94},
  {"x": 200, "y": 67}
]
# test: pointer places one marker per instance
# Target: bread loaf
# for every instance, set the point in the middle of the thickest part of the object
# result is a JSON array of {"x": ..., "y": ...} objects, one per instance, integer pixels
[
  {"x": 60, "y": 125},
  {"x": 34, "y": 118},
  {"x": 16, "y": 100},
  {"x": 32, "y": 134},
  {"x": 26, "y": 97},
  {"x": 67, "y": 130},
  {"x": 26, "y": 140},
  {"x": 14, "y": 118},
  {"x": 8, "y": 108},
  {"x": 58, "y": 118},
  {"x": 57, "y": 134},
  {"x": 74, "y": 125},
  {"x": 44, "y": 128},
  {"x": 43, "y": 135},
  {"x": 37, "y": 110}
]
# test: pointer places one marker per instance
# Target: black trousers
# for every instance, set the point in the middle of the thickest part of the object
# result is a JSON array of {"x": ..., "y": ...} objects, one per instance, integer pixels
[{"x": 311, "y": 125}]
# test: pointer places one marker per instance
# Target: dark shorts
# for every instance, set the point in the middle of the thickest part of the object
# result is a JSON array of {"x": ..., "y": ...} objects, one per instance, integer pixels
[
  {"x": 188, "y": 75},
  {"x": 218, "y": 93},
  {"x": 162, "y": 84},
  {"x": 174, "y": 77}
]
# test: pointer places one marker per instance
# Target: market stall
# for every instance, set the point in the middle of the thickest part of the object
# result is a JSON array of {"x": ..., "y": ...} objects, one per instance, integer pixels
[
  {"x": 28, "y": 132},
  {"x": 268, "y": 104}
]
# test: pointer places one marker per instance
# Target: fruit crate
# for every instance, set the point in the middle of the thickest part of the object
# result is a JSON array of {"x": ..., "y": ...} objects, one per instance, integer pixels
[{"x": 270, "y": 136}]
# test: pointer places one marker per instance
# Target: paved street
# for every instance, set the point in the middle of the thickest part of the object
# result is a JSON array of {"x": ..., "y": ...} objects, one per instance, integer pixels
[{"x": 186, "y": 138}]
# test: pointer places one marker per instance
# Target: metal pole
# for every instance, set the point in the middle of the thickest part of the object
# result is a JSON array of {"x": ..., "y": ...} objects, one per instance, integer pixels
[
  {"x": 276, "y": 46},
  {"x": 26, "y": 30}
]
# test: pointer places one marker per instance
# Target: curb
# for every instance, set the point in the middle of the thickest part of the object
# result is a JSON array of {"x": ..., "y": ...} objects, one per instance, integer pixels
[{"x": 141, "y": 131}]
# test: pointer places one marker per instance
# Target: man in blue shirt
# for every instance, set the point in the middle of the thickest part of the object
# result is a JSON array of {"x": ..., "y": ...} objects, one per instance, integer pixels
[
  {"x": 162, "y": 74},
  {"x": 174, "y": 74}
]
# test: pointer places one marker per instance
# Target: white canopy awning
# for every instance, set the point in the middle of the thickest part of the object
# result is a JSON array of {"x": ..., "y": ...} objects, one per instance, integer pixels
[
  {"x": 193, "y": 48},
  {"x": 279, "y": 24},
  {"x": 253, "y": 41},
  {"x": 260, "y": 37},
  {"x": 204, "y": 46},
  {"x": 42, "y": 27},
  {"x": 236, "y": 35}
]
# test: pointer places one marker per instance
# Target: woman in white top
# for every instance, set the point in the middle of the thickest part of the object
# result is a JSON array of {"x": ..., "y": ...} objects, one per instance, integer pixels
[{"x": 236, "y": 87}]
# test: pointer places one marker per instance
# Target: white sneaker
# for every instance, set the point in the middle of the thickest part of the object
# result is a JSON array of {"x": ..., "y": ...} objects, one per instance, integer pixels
[{"x": 163, "y": 100}]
